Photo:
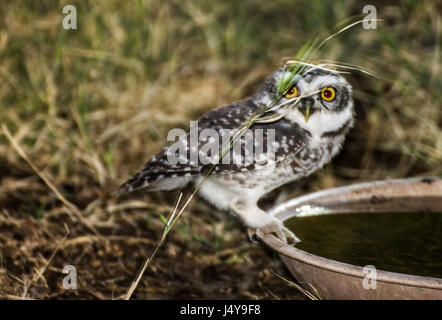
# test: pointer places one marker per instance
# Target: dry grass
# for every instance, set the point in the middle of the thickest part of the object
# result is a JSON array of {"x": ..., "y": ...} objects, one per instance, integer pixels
[{"x": 89, "y": 106}]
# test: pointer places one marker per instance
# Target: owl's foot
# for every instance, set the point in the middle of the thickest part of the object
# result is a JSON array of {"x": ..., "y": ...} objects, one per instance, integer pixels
[
  {"x": 280, "y": 231},
  {"x": 260, "y": 223}
]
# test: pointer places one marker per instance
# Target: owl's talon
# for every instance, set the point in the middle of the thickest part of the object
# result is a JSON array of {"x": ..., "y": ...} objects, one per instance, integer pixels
[
  {"x": 251, "y": 233},
  {"x": 280, "y": 231}
]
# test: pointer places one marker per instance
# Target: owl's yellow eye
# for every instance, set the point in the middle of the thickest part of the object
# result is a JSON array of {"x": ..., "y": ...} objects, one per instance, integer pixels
[
  {"x": 328, "y": 94},
  {"x": 291, "y": 93}
]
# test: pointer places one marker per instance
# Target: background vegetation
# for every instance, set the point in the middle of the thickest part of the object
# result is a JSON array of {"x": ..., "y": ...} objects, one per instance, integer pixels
[{"x": 90, "y": 106}]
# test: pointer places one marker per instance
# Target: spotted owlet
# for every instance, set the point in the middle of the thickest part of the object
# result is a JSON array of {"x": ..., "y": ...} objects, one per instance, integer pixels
[{"x": 304, "y": 130}]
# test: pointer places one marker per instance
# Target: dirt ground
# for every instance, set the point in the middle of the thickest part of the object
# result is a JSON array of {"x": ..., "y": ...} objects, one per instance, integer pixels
[{"x": 208, "y": 256}]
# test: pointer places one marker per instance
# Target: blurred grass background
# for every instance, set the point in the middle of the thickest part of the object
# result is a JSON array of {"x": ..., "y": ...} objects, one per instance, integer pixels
[{"x": 90, "y": 106}]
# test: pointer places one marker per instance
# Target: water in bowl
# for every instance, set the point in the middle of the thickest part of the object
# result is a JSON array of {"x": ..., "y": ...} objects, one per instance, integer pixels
[{"x": 408, "y": 243}]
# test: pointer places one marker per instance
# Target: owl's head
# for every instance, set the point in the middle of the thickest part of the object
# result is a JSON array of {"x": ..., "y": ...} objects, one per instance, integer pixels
[{"x": 317, "y": 100}]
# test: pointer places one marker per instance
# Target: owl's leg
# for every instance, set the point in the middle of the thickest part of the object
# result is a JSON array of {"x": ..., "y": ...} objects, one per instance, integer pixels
[{"x": 259, "y": 222}]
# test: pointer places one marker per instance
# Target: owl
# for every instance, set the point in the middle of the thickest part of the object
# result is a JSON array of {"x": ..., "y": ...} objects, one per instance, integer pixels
[{"x": 303, "y": 128}]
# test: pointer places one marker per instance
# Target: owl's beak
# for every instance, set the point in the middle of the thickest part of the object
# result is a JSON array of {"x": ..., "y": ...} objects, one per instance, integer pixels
[{"x": 306, "y": 109}]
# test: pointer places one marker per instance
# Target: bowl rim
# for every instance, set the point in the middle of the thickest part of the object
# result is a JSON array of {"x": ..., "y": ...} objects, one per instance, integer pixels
[{"x": 337, "y": 266}]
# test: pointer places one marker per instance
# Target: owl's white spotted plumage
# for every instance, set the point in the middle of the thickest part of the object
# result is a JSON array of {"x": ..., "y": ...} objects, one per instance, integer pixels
[{"x": 305, "y": 138}]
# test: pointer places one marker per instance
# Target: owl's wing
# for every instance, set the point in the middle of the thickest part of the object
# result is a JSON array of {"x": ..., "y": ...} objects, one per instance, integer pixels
[{"x": 175, "y": 165}]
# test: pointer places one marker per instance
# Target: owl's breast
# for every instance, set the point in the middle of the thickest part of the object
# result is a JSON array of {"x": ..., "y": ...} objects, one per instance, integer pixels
[{"x": 314, "y": 156}]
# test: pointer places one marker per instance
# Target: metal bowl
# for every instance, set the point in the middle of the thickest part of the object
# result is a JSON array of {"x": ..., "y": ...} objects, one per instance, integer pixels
[{"x": 336, "y": 280}]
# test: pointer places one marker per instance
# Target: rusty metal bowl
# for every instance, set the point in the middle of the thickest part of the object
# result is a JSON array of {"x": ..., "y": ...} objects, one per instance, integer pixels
[{"x": 336, "y": 280}]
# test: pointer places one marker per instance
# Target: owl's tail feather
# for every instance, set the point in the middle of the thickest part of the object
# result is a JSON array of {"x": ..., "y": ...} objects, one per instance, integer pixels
[{"x": 139, "y": 181}]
